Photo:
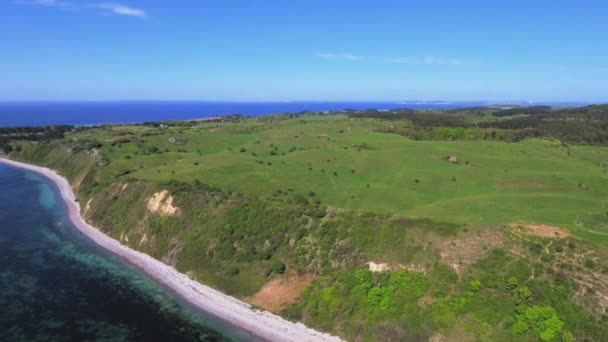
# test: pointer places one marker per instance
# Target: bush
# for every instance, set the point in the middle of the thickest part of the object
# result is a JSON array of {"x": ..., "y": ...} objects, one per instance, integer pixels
[
  {"x": 475, "y": 285},
  {"x": 277, "y": 267},
  {"x": 543, "y": 321},
  {"x": 512, "y": 283},
  {"x": 233, "y": 271}
]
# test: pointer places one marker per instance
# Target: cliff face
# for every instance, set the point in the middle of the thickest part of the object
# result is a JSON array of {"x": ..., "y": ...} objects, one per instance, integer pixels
[{"x": 232, "y": 241}]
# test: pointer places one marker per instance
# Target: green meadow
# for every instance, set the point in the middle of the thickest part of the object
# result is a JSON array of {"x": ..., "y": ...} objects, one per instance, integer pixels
[
  {"x": 442, "y": 202},
  {"x": 346, "y": 163}
]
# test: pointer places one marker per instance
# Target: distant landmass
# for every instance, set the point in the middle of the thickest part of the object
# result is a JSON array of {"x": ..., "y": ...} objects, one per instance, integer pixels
[{"x": 90, "y": 113}]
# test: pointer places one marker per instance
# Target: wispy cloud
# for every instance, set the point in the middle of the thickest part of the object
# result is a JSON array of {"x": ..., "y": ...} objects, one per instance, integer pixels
[
  {"x": 425, "y": 60},
  {"x": 106, "y": 7},
  {"x": 434, "y": 60},
  {"x": 401, "y": 60},
  {"x": 121, "y": 9},
  {"x": 413, "y": 60},
  {"x": 47, "y": 3},
  {"x": 340, "y": 56}
]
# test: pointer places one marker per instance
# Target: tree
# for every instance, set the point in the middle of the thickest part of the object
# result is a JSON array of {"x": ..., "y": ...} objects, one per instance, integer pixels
[{"x": 7, "y": 148}]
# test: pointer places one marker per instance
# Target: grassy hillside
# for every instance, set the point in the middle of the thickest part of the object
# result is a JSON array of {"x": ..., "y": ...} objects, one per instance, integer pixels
[{"x": 503, "y": 241}]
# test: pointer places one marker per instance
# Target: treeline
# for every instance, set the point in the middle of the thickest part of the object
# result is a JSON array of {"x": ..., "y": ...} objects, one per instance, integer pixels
[
  {"x": 393, "y": 114},
  {"x": 533, "y": 110},
  {"x": 462, "y": 133},
  {"x": 192, "y": 123},
  {"x": 576, "y": 125},
  {"x": 9, "y": 134}
]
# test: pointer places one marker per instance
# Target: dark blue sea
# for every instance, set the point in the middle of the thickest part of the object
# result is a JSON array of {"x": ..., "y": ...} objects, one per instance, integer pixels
[
  {"x": 91, "y": 113},
  {"x": 56, "y": 285}
]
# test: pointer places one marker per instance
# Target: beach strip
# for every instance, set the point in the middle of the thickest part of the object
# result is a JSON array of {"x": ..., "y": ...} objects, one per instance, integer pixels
[{"x": 260, "y": 323}]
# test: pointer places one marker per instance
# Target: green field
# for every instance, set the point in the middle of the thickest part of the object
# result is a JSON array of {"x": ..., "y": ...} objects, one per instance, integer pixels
[
  {"x": 349, "y": 165},
  {"x": 323, "y": 195}
]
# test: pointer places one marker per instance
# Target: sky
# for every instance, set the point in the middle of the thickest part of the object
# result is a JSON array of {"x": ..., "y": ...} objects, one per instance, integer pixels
[{"x": 325, "y": 50}]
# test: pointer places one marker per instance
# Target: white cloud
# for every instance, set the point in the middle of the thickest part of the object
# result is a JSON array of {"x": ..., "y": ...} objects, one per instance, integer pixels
[
  {"x": 108, "y": 7},
  {"x": 121, "y": 9},
  {"x": 433, "y": 60},
  {"x": 425, "y": 60},
  {"x": 340, "y": 56}
]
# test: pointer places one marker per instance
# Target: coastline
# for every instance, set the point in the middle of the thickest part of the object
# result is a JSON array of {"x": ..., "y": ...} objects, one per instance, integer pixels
[{"x": 234, "y": 311}]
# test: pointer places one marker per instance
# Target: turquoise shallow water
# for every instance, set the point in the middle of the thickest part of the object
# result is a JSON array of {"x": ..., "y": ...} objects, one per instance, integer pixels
[{"x": 56, "y": 285}]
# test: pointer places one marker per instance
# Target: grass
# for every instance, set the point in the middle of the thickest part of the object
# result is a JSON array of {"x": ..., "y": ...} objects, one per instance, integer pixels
[
  {"x": 326, "y": 194},
  {"x": 492, "y": 183}
]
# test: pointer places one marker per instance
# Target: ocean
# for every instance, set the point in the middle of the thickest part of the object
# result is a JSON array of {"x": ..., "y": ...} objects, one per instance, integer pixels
[
  {"x": 56, "y": 285},
  {"x": 91, "y": 113}
]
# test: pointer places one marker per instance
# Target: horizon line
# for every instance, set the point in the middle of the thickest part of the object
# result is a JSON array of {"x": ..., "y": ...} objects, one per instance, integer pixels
[{"x": 414, "y": 101}]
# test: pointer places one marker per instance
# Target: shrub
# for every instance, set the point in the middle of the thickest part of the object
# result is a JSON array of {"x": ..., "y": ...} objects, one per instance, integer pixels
[
  {"x": 277, "y": 267},
  {"x": 299, "y": 199},
  {"x": 512, "y": 283},
  {"x": 543, "y": 321},
  {"x": 590, "y": 263},
  {"x": 475, "y": 285},
  {"x": 233, "y": 271}
]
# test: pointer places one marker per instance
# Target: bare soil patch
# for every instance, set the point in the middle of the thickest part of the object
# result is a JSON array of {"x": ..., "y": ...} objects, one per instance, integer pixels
[
  {"x": 542, "y": 230},
  {"x": 162, "y": 203},
  {"x": 282, "y": 291},
  {"x": 468, "y": 248}
]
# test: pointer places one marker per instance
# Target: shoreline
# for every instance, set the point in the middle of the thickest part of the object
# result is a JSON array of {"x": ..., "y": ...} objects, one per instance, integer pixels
[{"x": 260, "y": 323}]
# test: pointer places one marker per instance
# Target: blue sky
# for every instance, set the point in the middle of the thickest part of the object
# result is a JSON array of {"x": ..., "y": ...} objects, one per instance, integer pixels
[{"x": 304, "y": 50}]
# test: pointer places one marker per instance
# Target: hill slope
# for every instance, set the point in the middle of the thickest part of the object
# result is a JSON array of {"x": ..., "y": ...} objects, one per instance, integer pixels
[{"x": 364, "y": 233}]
